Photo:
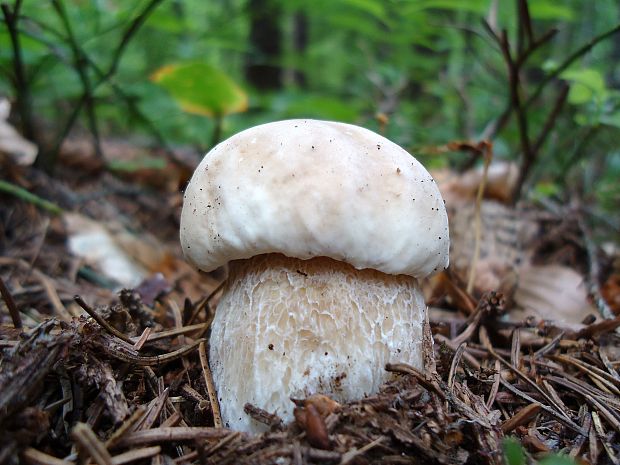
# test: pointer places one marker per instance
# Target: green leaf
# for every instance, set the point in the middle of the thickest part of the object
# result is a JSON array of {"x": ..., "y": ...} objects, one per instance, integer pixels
[
  {"x": 583, "y": 119},
  {"x": 322, "y": 107},
  {"x": 549, "y": 65},
  {"x": 545, "y": 189},
  {"x": 372, "y": 7},
  {"x": 473, "y": 6},
  {"x": 557, "y": 459},
  {"x": 550, "y": 10},
  {"x": 587, "y": 84},
  {"x": 513, "y": 452},
  {"x": 163, "y": 20},
  {"x": 579, "y": 94},
  {"x": 356, "y": 22},
  {"x": 201, "y": 89},
  {"x": 587, "y": 76}
]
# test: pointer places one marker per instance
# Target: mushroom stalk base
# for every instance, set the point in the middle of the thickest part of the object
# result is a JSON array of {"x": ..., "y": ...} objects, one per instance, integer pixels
[{"x": 286, "y": 328}]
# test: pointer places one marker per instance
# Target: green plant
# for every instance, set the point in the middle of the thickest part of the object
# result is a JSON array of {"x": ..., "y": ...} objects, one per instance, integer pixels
[
  {"x": 535, "y": 77},
  {"x": 62, "y": 42},
  {"x": 201, "y": 89},
  {"x": 515, "y": 455}
]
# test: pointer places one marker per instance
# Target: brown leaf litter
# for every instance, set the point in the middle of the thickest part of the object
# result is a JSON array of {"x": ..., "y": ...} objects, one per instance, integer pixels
[{"x": 88, "y": 393}]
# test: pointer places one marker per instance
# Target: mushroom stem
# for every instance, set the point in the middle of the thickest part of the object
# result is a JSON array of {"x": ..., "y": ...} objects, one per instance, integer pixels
[{"x": 287, "y": 327}]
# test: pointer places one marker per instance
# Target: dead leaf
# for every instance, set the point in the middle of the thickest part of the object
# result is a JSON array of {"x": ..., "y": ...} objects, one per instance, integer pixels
[
  {"x": 99, "y": 247},
  {"x": 323, "y": 404},
  {"x": 553, "y": 292},
  {"x": 462, "y": 188}
]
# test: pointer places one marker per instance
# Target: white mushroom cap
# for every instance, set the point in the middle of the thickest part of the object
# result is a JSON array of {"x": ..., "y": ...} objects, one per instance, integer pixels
[{"x": 308, "y": 188}]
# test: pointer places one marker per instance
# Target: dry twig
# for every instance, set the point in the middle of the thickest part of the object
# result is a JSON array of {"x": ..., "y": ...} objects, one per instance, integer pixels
[{"x": 208, "y": 377}]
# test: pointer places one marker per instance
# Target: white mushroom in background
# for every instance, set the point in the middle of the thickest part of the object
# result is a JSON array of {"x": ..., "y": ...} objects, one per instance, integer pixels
[{"x": 327, "y": 227}]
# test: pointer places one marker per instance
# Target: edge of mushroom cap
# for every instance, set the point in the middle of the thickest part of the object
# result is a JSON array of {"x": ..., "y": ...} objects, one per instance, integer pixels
[{"x": 250, "y": 196}]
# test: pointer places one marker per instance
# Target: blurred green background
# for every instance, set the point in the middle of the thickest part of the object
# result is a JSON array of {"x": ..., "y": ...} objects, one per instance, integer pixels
[{"x": 430, "y": 66}]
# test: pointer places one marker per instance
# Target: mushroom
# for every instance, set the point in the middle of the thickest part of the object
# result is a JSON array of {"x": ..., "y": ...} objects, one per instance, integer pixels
[{"x": 326, "y": 228}]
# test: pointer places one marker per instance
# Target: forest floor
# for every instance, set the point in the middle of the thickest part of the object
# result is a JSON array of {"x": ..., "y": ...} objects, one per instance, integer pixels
[{"x": 90, "y": 373}]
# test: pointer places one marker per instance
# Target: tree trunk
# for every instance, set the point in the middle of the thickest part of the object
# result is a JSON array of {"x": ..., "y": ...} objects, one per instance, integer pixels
[{"x": 262, "y": 68}]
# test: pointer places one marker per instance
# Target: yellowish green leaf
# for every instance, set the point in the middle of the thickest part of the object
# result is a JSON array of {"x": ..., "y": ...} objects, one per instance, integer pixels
[{"x": 201, "y": 89}]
